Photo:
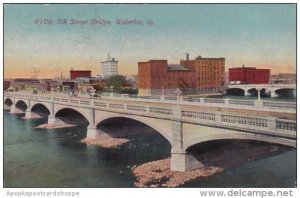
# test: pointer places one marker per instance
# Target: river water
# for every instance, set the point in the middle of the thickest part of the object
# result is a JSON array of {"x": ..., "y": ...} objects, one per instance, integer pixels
[{"x": 56, "y": 158}]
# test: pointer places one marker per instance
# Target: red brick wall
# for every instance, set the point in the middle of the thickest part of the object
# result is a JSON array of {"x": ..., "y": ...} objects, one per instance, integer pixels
[
  {"x": 208, "y": 72},
  {"x": 77, "y": 73},
  {"x": 249, "y": 75},
  {"x": 262, "y": 76},
  {"x": 154, "y": 74},
  {"x": 205, "y": 72}
]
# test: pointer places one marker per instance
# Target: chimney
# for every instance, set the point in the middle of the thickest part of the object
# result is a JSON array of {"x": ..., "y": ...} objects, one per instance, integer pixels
[{"x": 187, "y": 56}]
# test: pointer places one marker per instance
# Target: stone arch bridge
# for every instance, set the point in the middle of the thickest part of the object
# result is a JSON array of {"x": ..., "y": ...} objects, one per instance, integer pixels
[
  {"x": 270, "y": 88},
  {"x": 182, "y": 128}
]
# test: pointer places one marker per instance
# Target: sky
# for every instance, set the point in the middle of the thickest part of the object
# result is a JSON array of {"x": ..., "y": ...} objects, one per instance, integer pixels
[{"x": 260, "y": 35}]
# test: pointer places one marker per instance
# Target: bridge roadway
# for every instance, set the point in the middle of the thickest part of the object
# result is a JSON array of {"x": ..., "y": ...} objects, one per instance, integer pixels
[
  {"x": 269, "y": 88},
  {"x": 182, "y": 123}
]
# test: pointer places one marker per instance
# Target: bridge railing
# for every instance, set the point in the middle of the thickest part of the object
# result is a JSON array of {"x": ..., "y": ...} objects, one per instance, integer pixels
[
  {"x": 229, "y": 103},
  {"x": 251, "y": 123},
  {"x": 220, "y": 119},
  {"x": 289, "y": 125},
  {"x": 284, "y": 105},
  {"x": 218, "y": 102}
]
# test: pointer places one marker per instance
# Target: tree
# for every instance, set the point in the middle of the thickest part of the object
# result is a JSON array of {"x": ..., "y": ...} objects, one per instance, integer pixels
[{"x": 116, "y": 81}]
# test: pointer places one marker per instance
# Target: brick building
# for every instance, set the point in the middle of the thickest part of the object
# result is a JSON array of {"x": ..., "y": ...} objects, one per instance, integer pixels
[
  {"x": 6, "y": 84},
  {"x": 202, "y": 74},
  {"x": 249, "y": 75},
  {"x": 209, "y": 72},
  {"x": 283, "y": 78},
  {"x": 79, "y": 74}
]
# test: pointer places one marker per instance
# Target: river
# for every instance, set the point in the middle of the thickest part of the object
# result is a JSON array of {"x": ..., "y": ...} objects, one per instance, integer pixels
[{"x": 56, "y": 158}]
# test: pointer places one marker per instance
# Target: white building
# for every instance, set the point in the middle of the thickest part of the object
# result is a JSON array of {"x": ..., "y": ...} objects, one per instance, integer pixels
[{"x": 109, "y": 67}]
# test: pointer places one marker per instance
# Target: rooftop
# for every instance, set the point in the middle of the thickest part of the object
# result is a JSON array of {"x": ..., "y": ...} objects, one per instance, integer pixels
[{"x": 177, "y": 67}]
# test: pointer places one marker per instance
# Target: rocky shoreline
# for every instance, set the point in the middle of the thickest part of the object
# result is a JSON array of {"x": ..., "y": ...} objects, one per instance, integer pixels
[
  {"x": 158, "y": 174},
  {"x": 54, "y": 126},
  {"x": 32, "y": 117},
  {"x": 105, "y": 141}
]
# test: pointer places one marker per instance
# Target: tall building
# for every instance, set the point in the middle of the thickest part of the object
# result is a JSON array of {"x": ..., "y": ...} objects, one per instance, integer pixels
[
  {"x": 249, "y": 75},
  {"x": 209, "y": 72},
  {"x": 74, "y": 74},
  {"x": 190, "y": 76},
  {"x": 109, "y": 67}
]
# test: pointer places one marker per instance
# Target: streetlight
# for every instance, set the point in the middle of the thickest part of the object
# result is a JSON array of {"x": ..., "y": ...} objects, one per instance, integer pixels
[
  {"x": 93, "y": 91},
  {"x": 57, "y": 89},
  {"x": 111, "y": 90},
  {"x": 178, "y": 93}
]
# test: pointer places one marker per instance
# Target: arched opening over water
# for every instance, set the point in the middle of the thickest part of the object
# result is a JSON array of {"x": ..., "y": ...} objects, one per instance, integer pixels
[
  {"x": 229, "y": 153},
  {"x": 254, "y": 92},
  {"x": 235, "y": 92},
  {"x": 40, "y": 109},
  {"x": 145, "y": 143},
  {"x": 21, "y": 105},
  {"x": 286, "y": 93},
  {"x": 71, "y": 116},
  {"x": 8, "y": 102}
]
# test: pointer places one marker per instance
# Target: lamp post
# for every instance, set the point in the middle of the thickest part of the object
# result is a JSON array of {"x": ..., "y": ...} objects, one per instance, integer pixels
[
  {"x": 178, "y": 93},
  {"x": 93, "y": 91},
  {"x": 111, "y": 90},
  {"x": 93, "y": 94},
  {"x": 57, "y": 89}
]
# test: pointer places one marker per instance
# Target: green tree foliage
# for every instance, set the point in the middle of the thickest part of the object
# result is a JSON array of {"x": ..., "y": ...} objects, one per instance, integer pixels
[{"x": 117, "y": 82}]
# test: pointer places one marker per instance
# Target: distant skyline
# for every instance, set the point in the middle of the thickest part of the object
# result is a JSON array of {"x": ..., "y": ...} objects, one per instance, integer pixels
[{"x": 260, "y": 35}]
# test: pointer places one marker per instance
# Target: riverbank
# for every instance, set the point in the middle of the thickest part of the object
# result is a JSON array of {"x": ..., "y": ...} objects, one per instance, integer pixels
[
  {"x": 158, "y": 174},
  {"x": 54, "y": 126},
  {"x": 216, "y": 159}
]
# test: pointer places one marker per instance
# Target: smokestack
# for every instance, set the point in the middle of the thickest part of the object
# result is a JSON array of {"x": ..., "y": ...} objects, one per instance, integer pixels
[{"x": 187, "y": 56}]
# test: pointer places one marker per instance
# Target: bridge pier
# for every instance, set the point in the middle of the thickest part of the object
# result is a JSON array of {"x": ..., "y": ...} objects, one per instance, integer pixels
[
  {"x": 15, "y": 110},
  {"x": 6, "y": 107},
  {"x": 180, "y": 160},
  {"x": 92, "y": 132},
  {"x": 29, "y": 114},
  {"x": 184, "y": 162},
  {"x": 52, "y": 119},
  {"x": 246, "y": 93},
  {"x": 273, "y": 94}
]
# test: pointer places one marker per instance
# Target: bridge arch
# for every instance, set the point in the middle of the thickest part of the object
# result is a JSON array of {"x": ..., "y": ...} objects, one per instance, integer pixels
[
  {"x": 8, "y": 101},
  {"x": 235, "y": 91},
  {"x": 41, "y": 108},
  {"x": 21, "y": 104},
  {"x": 83, "y": 111},
  {"x": 33, "y": 105},
  {"x": 285, "y": 92},
  {"x": 72, "y": 116},
  {"x": 241, "y": 136},
  {"x": 163, "y": 131}
]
